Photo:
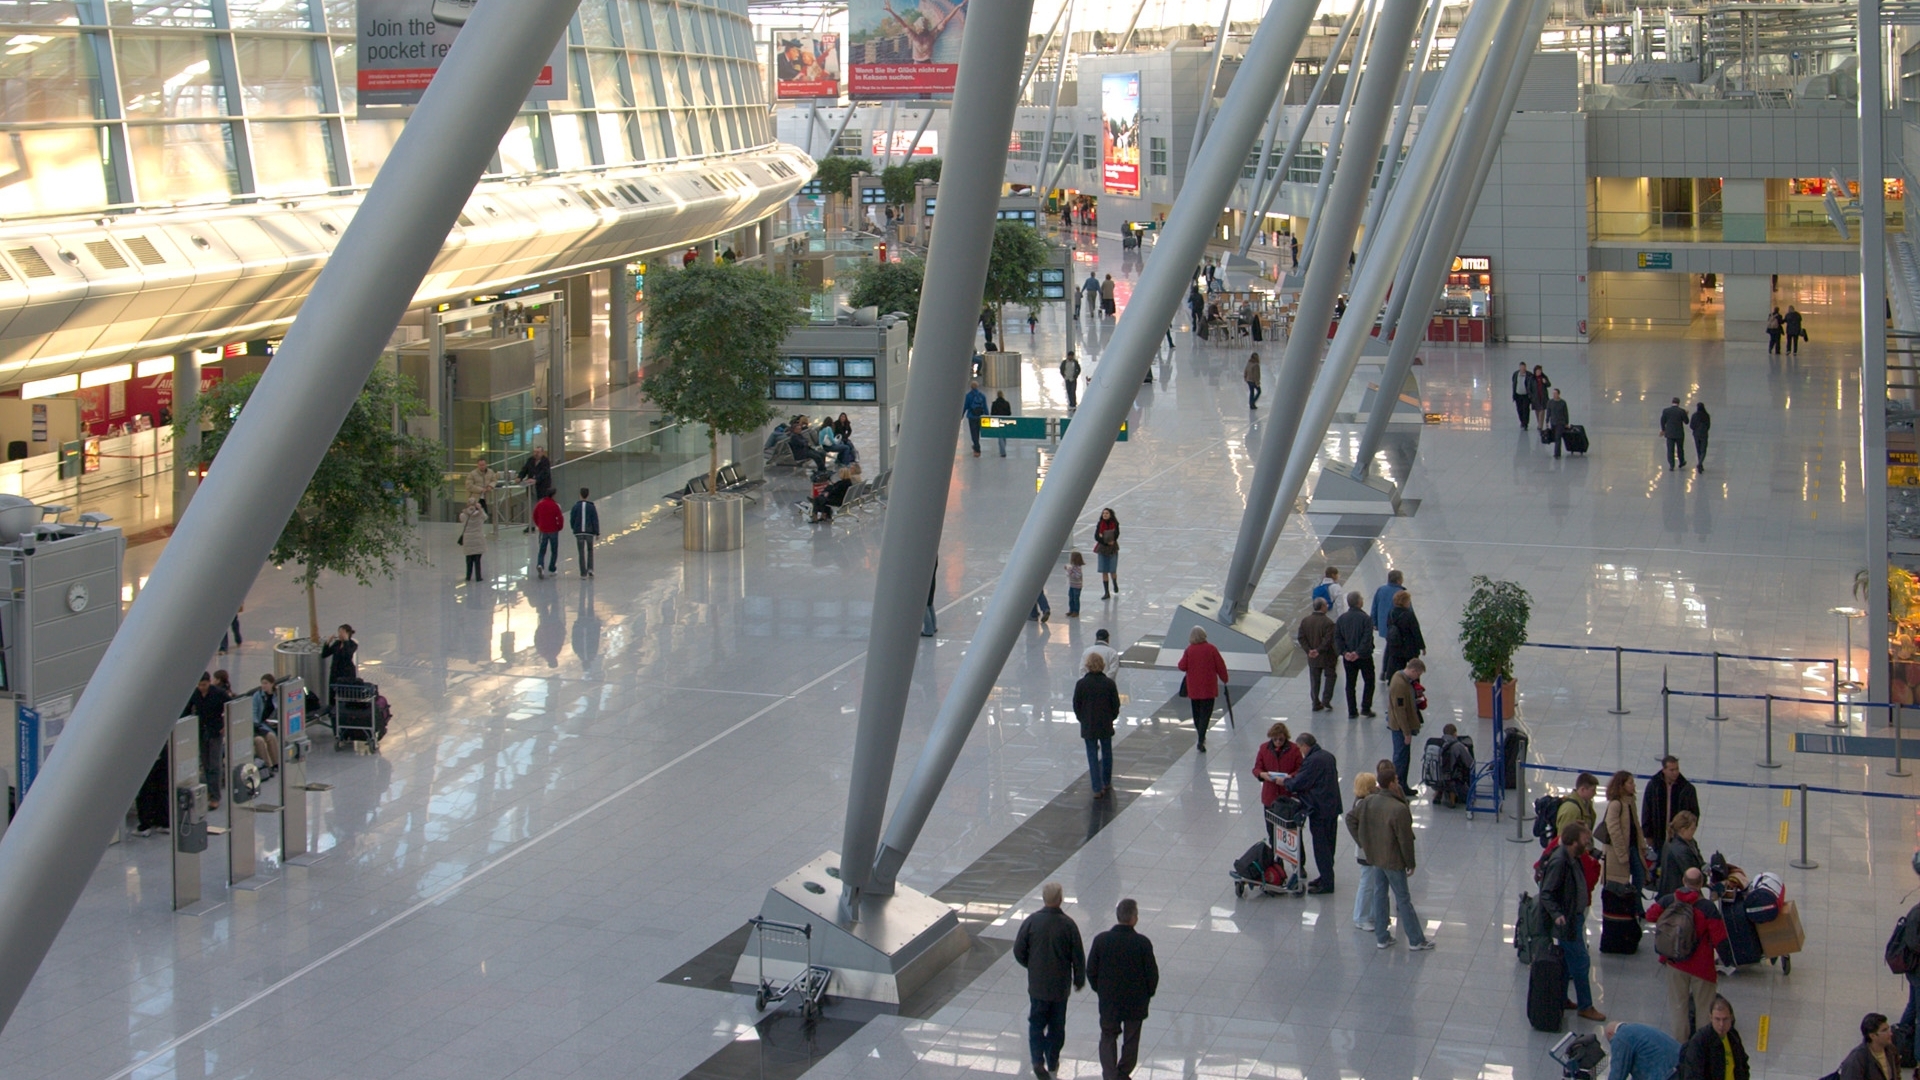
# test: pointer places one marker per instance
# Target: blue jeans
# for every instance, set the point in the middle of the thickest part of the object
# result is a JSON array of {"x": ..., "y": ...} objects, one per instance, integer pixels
[
  {"x": 1913, "y": 1009},
  {"x": 1402, "y": 754},
  {"x": 1046, "y": 1030},
  {"x": 1099, "y": 763},
  {"x": 928, "y": 624},
  {"x": 1573, "y": 949},
  {"x": 1040, "y": 607},
  {"x": 548, "y": 552},
  {"x": 1395, "y": 882},
  {"x": 1363, "y": 900},
  {"x": 1073, "y": 601}
]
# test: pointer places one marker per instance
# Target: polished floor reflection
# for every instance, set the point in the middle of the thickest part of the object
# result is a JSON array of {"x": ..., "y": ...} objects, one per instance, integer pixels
[{"x": 588, "y": 784}]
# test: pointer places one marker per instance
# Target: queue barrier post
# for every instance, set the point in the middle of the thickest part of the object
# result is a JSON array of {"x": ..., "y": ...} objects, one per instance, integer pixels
[
  {"x": 1769, "y": 763},
  {"x": 1519, "y": 803},
  {"x": 1803, "y": 863},
  {"x": 1836, "y": 722},
  {"x": 1666, "y": 717},
  {"x": 1899, "y": 762},
  {"x": 1716, "y": 714},
  {"x": 1619, "y": 705}
]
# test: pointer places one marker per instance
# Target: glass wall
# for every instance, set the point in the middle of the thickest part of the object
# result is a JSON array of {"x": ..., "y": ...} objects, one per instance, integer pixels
[{"x": 118, "y": 103}]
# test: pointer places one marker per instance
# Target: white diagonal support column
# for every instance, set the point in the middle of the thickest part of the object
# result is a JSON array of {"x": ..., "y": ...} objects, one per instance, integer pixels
[{"x": 1258, "y": 207}]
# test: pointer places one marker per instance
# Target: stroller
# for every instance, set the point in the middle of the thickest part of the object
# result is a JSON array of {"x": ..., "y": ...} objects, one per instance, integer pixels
[{"x": 1273, "y": 866}]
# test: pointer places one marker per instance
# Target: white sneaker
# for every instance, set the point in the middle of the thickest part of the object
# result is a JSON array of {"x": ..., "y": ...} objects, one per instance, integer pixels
[
  {"x": 1387, "y": 944},
  {"x": 1425, "y": 946},
  {"x": 1367, "y": 926}
]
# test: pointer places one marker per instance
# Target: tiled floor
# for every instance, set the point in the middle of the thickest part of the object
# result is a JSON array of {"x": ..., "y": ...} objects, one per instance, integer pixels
[{"x": 590, "y": 783}]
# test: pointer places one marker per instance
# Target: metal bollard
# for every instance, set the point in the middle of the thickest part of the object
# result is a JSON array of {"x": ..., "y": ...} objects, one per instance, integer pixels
[
  {"x": 1836, "y": 722},
  {"x": 1899, "y": 762},
  {"x": 1619, "y": 706},
  {"x": 1519, "y": 803},
  {"x": 1803, "y": 863},
  {"x": 1666, "y": 717},
  {"x": 1769, "y": 763},
  {"x": 1716, "y": 714}
]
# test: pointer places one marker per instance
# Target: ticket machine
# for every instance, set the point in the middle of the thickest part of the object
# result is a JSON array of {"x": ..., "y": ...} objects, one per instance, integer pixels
[
  {"x": 246, "y": 798},
  {"x": 290, "y": 708},
  {"x": 187, "y": 806}
]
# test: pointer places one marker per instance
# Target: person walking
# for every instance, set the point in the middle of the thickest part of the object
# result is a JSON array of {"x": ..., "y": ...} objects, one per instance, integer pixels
[
  {"x": 1382, "y": 824},
  {"x": 1687, "y": 923},
  {"x": 1090, "y": 289},
  {"x": 1796, "y": 330},
  {"x": 1048, "y": 946},
  {"x": 584, "y": 519},
  {"x": 1329, "y": 587},
  {"x": 1364, "y": 784},
  {"x": 1716, "y": 1051},
  {"x": 1354, "y": 633},
  {"x": 1406, "y": 699},
  {"x": 1538, "y": 395},
  {"x": 1775, "y": 327},
  {"x": 930, "y": 622},
  {"x": 1320, "y": 640},
  {"x": 1700, "y": 423},
  {"x": 1070, "y": 376},
  {"x": 1404, "y": 641},
  {"x": 1106, "y": 552},
  {"x": 1557, "y": 421},
  {"x": 1205, "y": 670},
  {"x": 1123, "y": 974},
  {"x": 1076, "y": 580},
  {"x": 1522, "y": 381},
  {"x": 1096, "y": 704},
  {"x": 1042, "y": 611},
  {"x": 1673, "y": 427},
  {"x": 1252, "y": 375},
  {"x": 1563, "y": 893},
  {"x": 1641, "y": 1052},
  {"x": 1579, "y": 806},
  {"x": 1875, "y": 1057},
  {"x": 1909, "y": 952},
  {"x": 1001, "y": 407},
  {"x": 1103, "y": 648},
  {"x": 1106, "y": 297},
  {"x": 974, "y": 407},
  {"x": 480, "y": 482},
  {"x": 1679, "y": 855},
  {"x": 473, "y": 537},
  {"x": 1668, "y": 793},
  {"x": 548, "y": 519},
  {"x": 1625, "y": 860},
  {"x": 1383, "y": 599},
  {"x": 1316, "y": 783}
]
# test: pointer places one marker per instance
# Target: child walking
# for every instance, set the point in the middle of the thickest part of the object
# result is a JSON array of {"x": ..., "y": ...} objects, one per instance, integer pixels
[{"x": 1076, "y": 576}]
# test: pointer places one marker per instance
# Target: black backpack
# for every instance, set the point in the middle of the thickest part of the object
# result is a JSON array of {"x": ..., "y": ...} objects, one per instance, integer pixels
[
  {"x": 1546, "y": 813},
  {"x": 1901, "y": 960}
]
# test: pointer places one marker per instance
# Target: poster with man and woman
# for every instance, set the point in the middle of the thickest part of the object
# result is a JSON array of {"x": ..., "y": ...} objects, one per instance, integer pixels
[{"x": 805, "y": 65}]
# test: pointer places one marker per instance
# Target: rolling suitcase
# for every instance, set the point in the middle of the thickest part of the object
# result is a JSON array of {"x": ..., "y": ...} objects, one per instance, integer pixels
[
  {"x": 1575, "y": 439},
  {"x": 1547, "y": 990},
  {"x": 1620, "y": 930}
]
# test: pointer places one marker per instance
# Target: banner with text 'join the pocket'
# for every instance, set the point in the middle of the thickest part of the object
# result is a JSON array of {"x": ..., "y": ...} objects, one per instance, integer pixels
[{"x": 401, "y": 44}]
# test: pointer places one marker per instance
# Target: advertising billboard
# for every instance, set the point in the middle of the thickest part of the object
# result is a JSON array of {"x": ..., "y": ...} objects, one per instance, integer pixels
[
  {"x": 805, "y": 65},
  {"x": 907, "y": 52},
  {"x": 1120, "y": 133},
  {"x": 402, "y": 43},
  {"x": 902, "y": 140}
]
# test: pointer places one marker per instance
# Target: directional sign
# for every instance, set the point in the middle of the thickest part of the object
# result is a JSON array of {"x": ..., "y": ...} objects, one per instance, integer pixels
[{"x": 1014, "y": 427}]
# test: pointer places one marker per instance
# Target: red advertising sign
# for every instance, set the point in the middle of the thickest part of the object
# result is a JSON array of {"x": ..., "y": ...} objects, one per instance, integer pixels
[{"x": 805, "y": 65}]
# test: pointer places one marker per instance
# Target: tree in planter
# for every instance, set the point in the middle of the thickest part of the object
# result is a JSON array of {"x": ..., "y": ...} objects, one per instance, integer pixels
[
  {"x": 1493, "y": 626},
  {"x": 352, "y": 519},
  {"x": 1013, "y": 268},
  {"x": 926, "y": 169},
  {"x": 714, "y": 333},
  {"x": 898, "y": 181},
  {"x": 891, "y": 286},
  {"x": 836, "y": 175}
]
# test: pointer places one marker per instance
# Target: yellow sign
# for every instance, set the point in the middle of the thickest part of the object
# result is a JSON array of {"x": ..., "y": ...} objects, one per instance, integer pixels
[
  {"x": 504, "y": 427},
  {"x": 1765, "y": 1030}
]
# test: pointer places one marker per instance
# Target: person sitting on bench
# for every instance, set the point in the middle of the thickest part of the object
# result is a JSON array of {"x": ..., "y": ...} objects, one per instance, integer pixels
[
  {"x": 835, "y": 494},
  {"x": 802, "y": 446}
]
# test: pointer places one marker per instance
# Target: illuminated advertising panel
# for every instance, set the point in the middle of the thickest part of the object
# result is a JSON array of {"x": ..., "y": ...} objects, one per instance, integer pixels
[{"x": 1120, "y": 133}]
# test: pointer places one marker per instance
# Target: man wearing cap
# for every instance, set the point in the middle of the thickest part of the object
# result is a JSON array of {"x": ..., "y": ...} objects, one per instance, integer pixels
[{"x": 789, "y": 63}]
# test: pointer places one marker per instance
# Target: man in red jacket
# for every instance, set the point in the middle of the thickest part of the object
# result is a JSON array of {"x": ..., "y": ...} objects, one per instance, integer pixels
[
  {"x": 1691, "y": 980},
  {"x": 549, "y": 520}
]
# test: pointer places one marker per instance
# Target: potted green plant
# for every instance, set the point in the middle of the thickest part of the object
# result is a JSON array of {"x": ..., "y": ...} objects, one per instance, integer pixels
[
  {"x": 1493, "y": 626},
  {"x": 714, "y": 332}
]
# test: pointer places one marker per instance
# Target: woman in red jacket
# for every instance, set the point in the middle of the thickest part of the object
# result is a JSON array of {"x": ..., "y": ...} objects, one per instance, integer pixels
[
  {"x": 1276, "y": 760},
  {"x": 1206, "y": 669}
]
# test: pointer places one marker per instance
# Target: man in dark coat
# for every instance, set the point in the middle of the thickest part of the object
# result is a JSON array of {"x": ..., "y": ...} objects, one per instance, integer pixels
[
  {"x": 1317, "y": 785},
  {"x": 538, "y": 469},
  {"x": 1320, "y": 642},
  {"x": 1522, "y": 393},
  {"x": 1668, "y": 793},
  {"x": 1563, "y": 893},
  {"x": 1673, "y": 426},
  {"x": 1096, "y": 704},
  {"x": 1713, "y": 1046},
  {"x": 1048, "y": 946},
  {"x": 1557, "y": 421},
  {"x": 1122, "y": 971},
  {"x": 1354, "y": 629},
  {"x": 208, "y": 703}
]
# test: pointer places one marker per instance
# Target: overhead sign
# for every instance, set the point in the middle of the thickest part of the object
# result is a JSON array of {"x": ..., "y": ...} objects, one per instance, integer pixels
[
  {"x": 402, "y": 43},
  {"x": 1014, "y": 427},
  {"x": 912, "y": 52},
  {"x": 805, "y": 65},
  {"x": 902, "y": 140},
  {"x": 1472, "y": 263},
  {"x": 1655, "y": 260},
  {"x": 1120, "y": 133}
]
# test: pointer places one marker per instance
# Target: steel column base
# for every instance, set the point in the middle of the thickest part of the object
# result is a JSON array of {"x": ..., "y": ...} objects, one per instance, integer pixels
[
  {"x": 256, "y": 882},
  {"x": 1407, "y": 409},
  {"x": 1339, "y": 493},
  {"x": 896, "y": 945},
  {"x": 201, "y": 908},
  {"x": 1244, "y": 642}
]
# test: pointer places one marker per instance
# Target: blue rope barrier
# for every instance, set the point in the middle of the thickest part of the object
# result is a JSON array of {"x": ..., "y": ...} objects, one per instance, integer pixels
[
  {"x": 1683, "y": 652},
  {"x": 1744, "y": 784},
  {"x": 1803, "y": 700}
]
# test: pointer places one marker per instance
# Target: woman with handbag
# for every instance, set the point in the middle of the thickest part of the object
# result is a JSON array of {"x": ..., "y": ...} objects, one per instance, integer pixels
[
  {"x": 1205, "y": 671},
  {"x": 1106, "y": 548},
  {"x": 1626, "y": 858}
]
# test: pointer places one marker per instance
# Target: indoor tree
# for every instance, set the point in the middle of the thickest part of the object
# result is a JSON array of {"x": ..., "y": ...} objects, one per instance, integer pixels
[
  {"x": 890, "y": 287},
  {"x": 836, "y": 174},
  {"x": 1013, "y": 268},
  {"x": 1493, "y": 626},
  {"x": 352, "y": 519},
  {"x": 714, "y": 332}
]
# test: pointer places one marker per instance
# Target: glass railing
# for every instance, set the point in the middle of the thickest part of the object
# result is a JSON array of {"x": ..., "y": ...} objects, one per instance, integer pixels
[
  {"x": 1793, "y": 225},
  {"x": 633, "y": 447}
]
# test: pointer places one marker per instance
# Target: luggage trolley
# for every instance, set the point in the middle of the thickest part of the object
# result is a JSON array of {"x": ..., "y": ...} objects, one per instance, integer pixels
[
  {"x": 1278, "y": 870},
  {"x": 809, "y": 986},
  {"x": 356, "y": 715}
]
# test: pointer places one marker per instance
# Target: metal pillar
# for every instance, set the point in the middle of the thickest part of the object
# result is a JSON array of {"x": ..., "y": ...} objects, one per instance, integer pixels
[
  {"x": 186, "y": 397},
  {"x": 620, "y": 343},
  {"x": 53, "y": 845},
  {"x": 1392, "y": 33},
  {"x": 918, "y": 134},
  {"x": 1258, "y": 209},
  {"x": 981, "y": 124},
  {"x": 1084, "y": 451},
  {"x": 559, "y": 336},
  {"x": 1464, "y": 105},
  {"x": 886, "y": 145},
  {"x": 1401, "y": 118},
  {"x": 1274, "y": 118},
  {"x": 1045, "y": 44},
  {"x": 1213, "y": 79},
  {"x": 1448, "y": 238},
  {"x": 1873, "y": 336},
  {"x": 1336, "y": 144},
  {"x": 834, "y": 139},
  {"x": 1073, "y": 136},
  {"x": 1053, "y": 106}
]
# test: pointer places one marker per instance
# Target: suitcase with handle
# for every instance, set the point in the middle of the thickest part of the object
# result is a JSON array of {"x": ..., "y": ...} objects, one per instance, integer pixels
[
  {"x": 1547, "y": 990},
  {"x": 1575, "y": 439},
  {"x": 1620, "y": 930}
]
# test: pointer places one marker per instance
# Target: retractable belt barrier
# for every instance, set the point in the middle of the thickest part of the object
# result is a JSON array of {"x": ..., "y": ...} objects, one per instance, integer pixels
[{"x": 1619, "y": 651}]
